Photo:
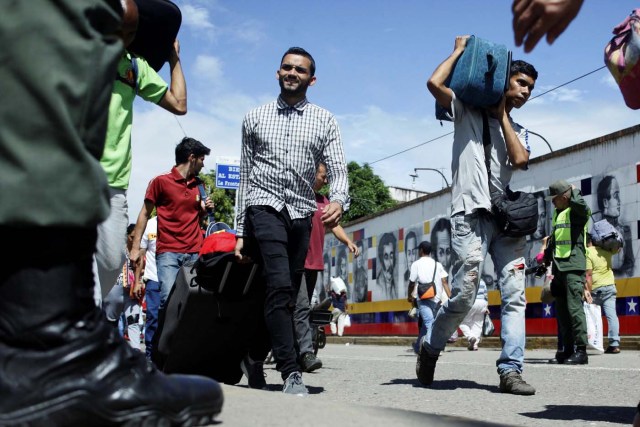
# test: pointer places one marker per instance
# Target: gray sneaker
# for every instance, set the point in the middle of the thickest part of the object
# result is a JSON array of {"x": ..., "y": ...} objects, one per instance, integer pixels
[
  {"x": 309, "y": 362},
  {"x": 512, "y": 382},
  {"x": 294, "y": 385},
  {"x": 254, "y": 371}
]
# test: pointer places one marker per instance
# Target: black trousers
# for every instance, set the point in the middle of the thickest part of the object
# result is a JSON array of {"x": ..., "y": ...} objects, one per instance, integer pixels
[{"x": 280, "y": 245}]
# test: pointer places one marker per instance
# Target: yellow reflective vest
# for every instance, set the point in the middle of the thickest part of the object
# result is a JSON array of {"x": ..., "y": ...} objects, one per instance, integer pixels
[{"x": 562, "y": 233}]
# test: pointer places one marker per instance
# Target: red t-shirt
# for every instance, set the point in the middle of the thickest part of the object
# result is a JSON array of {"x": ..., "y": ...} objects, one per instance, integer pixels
[
  {"x": 316, "y": 241},
  {"x": 177, "y": 203}
]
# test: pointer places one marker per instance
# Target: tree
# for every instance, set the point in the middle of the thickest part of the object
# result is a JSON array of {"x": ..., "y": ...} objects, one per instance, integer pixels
[
  {"x": 223, "y": 199},
  {"x": 367, "y": 191}
]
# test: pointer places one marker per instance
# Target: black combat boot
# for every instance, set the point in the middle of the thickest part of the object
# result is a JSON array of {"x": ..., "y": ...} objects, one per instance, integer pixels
[
  {"x": 580, "y": 357},
  {"x": 62, "y": 364}
]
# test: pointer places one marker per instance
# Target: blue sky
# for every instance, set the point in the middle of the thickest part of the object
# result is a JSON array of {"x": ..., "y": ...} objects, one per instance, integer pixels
[{"x": 373, "y": 59}]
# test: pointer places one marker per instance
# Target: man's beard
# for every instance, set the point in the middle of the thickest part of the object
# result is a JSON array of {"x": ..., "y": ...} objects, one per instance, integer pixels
[{"x": 300, "y": 90}]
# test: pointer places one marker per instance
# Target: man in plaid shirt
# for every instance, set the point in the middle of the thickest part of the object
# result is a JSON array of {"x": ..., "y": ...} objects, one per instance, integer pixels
[{"x": 282, "y": 144}]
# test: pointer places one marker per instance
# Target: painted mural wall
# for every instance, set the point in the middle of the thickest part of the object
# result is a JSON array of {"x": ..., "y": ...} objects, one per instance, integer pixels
[{"x": 606, "y": 169}]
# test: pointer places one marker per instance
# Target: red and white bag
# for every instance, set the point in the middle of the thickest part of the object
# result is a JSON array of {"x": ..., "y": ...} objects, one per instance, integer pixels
[{"x": 622, "y": 57}]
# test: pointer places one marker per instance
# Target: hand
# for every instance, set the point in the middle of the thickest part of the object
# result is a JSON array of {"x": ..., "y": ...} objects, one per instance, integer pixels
[
  {"x": 461, "y": 42},
  {"x": 331, "y": 214},
  {"x": 498, "y": 111},
  {"x": 532, "y": 19},
  {"x": 137, "y": 290},
  {"x": 354, "y": 249},
  {"x": 587, "y": 297},
  {"x": 209, "y": 205},
  {"x": 134, "y": 256},
  {"x": 242, "y": 259}
]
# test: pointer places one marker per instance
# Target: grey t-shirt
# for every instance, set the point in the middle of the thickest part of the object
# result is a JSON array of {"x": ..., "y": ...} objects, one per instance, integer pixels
[{"x": 470, "y": 188}]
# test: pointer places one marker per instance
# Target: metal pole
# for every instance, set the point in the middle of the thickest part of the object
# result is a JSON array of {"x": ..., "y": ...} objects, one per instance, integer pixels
[{"x": 415, "y": 170}]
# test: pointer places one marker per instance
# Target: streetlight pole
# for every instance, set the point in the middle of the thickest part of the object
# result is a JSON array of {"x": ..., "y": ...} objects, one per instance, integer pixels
[
  {"x": 542, "y": 138},
  {"x": 415, "y": 175}
]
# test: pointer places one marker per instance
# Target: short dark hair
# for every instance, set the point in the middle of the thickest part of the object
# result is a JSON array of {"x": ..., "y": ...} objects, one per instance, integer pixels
[
  {"x": 386, "y": 239},
  {"x": 603, "y": 190},
  {"x": 520, "y": 66},
  {"x": 189, "y": 146},
  {"x": 425, "y": 247},
  {"x": 300, "y": 51},
  {"x": 130, "y": 228}
]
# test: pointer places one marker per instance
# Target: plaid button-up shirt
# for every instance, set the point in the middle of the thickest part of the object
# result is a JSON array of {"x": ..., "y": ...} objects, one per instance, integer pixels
[{"x": 281, "y": 148}]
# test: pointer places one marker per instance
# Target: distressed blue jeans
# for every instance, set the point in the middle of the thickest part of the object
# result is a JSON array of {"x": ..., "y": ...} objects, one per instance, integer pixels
[
  {"x": 605, "y": 297},
  {"x": 474, "y": 236}
]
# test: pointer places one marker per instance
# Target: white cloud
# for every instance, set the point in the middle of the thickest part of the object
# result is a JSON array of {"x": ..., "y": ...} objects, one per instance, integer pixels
[
  {"x": 208, "y": 68},
  {"x": 561, "y": 94},
  {"x": 250, "y": 32},
  {"x": 196, "y": 18}
]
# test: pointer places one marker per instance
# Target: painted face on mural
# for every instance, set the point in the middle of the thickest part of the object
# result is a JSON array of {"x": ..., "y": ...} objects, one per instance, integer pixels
[
  {"x": 362, "y": 257},
  {"x": 326, "y": 274},
  {"x": 342, "y": 268},
  {"x": 612, "y": 201},
  {"x": 541, "y": 229},
  {"x": 388, "y": 259},
  {"x": 411, "y": 249},
  {"x": 443, "y": 249}
]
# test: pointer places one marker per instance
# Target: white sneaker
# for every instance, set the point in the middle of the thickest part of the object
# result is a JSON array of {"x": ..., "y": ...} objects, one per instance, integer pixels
[{"x": 473, "y": 344}]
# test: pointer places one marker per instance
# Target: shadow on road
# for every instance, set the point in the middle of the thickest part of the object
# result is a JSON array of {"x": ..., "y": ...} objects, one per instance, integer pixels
[
  {"x": 443, "y": 385},
  {"x": 612, "y": 414}
]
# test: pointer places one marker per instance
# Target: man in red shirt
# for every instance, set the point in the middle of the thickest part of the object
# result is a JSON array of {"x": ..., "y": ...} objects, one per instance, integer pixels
[
  {"x": 312, "y": 265},
  {"x": 177, "y": 200}
]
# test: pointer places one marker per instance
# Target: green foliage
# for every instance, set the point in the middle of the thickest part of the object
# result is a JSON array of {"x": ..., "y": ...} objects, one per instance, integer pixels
[
  {"x": 224, "y": 200},
  {"x": 368, "y": 192}
]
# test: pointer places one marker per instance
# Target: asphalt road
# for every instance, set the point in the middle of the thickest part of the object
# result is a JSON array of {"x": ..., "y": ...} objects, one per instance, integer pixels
[{"x": 375, "y": 385}]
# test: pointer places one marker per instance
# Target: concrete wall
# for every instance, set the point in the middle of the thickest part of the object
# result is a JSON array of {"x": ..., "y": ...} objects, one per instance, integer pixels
[{"x": 585, "y": 165}]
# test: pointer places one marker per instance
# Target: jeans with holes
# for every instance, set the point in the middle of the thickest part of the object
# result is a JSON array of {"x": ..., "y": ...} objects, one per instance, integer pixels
[
  {"x": 473, "y": 237},
  {"x": 605, "y": 297}
]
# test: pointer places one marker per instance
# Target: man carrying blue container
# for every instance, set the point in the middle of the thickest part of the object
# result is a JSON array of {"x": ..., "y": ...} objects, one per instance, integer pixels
[{"x": 488, "y": 146}]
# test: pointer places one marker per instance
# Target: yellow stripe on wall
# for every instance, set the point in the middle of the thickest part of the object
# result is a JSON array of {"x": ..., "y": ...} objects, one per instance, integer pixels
[{"x": 629, "y": 287}]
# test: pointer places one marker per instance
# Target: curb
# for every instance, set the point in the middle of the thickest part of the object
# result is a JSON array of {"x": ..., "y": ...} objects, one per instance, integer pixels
[{"x": 542, "y": 342}]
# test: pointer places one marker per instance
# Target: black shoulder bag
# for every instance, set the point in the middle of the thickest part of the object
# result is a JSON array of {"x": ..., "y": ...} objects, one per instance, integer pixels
[{"x": 516, "y": 212}]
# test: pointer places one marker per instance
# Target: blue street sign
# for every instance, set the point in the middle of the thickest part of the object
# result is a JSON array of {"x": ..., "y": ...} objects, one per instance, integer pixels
[{"x": 227, "y": 176}]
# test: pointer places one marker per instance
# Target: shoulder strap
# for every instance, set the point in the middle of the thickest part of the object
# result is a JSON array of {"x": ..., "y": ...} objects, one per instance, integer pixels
[
  {"x": 435, "y": 268},
  {"x": 486, "y": 140},
  {"x": 134, "y": 68}
]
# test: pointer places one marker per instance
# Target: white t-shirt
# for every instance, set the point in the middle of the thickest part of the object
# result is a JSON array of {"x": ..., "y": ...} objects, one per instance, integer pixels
[
  {"x": 148, "y": 242},
  {"x": 422, "y": 271}
]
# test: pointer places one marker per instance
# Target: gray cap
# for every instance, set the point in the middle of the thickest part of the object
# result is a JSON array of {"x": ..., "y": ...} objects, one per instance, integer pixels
[{"x": 557, "y": 188}]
